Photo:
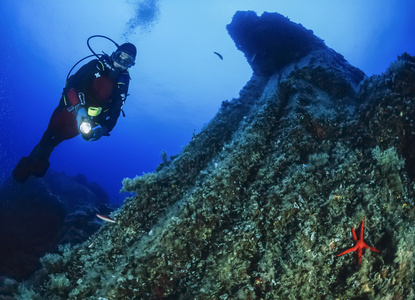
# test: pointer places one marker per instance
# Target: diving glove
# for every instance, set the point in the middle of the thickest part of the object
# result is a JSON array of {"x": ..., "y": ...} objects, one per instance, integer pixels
[{"x": 97, "y": 133}]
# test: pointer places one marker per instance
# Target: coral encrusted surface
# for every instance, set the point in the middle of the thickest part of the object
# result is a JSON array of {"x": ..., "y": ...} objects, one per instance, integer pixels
[{"x": 259, "y": 204}]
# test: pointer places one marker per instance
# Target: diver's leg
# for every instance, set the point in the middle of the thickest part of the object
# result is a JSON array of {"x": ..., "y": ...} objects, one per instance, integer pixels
[
  {"x": 45, "y": 147},
  {"x": 62, "y": 126},
  {"x": 37, "y": 162}
]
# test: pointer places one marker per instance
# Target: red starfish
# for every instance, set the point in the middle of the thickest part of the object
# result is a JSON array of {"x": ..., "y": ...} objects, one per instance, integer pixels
[{"x": 360, "y": 244}]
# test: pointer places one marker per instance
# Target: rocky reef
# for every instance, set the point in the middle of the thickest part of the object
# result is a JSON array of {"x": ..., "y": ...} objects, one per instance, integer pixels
[
  {"x": 38, "y": 216},
  {"x": 259, "y": 204}
]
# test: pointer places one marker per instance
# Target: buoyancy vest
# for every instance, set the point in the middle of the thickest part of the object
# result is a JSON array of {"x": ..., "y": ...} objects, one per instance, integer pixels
[{"x": 102, "y": 89}]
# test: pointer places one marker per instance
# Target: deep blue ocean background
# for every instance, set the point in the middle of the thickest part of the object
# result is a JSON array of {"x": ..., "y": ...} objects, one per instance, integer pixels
[{"x": 178, "y": 83}]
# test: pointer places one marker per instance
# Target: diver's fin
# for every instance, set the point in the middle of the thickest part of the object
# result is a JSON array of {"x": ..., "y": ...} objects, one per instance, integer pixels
[
  {"x": 40, "y": 167},
  {"x": 28, "y": 166}
]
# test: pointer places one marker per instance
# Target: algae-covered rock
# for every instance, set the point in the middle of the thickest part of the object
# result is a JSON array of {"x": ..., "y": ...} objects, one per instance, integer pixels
[{"x": 259, "y": 204}]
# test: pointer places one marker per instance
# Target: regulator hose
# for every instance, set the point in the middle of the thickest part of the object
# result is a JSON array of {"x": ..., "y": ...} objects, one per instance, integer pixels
[{"x": 93, "y": 52}]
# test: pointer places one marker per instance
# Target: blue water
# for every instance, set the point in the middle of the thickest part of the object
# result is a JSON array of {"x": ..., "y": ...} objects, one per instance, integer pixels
[{"x": 178, "y": 83}]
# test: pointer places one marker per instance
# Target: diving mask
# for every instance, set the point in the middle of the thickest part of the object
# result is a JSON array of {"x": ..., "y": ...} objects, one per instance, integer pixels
[{"x": 123, "y": 59}]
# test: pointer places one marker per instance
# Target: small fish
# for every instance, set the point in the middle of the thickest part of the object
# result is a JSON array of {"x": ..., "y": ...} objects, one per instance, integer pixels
[
  {"x": 220, "y": 56},
  {"x": 106, "y": 219}
]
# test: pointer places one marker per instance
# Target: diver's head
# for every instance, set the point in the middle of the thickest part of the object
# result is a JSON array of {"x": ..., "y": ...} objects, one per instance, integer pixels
[{"x": 124, "y": 56}]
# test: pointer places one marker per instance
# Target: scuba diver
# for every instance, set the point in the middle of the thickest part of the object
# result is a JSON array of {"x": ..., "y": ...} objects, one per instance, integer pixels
[{"x": 90, "y": 105}]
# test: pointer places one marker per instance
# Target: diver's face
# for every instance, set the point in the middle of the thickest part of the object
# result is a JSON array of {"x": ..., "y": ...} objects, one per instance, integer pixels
[{"x": 123, "y": 60}]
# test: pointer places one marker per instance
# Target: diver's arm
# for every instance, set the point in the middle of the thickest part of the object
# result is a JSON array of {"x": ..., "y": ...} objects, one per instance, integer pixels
[
  {"x": 112, "y": 117},
  {"x": 83, "y": 76},
  {"x": 76, "y": 84},
  {"x": 120, "y": 96}
]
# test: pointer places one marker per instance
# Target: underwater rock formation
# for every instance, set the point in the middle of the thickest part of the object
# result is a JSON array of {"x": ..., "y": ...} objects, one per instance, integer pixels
[
  {"x": 38, "y": 216},
  {"x": 261, "y": 201}
]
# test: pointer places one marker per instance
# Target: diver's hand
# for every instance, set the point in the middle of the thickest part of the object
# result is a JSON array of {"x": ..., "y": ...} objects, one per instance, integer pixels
[
  {"x": 97, "y": 133},
  {"x": 81, "y": 115}
]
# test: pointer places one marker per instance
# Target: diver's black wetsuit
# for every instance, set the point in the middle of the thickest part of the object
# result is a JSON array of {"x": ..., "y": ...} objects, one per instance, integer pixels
[{"x": 104, "y": 91}]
